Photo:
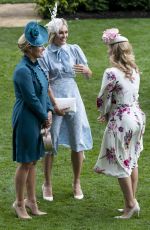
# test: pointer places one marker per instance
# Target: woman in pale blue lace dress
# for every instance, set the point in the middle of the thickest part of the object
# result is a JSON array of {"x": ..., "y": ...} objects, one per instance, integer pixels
[
  {"x": 61, "y": 62},
  {"x": 118, "y": 104}
]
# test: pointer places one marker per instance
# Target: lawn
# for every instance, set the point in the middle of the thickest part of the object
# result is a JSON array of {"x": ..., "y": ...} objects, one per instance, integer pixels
[{"x": 102, "y": 194}]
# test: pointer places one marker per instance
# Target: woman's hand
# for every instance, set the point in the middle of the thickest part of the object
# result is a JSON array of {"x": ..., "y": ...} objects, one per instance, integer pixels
[
  {"x": 102, "y": 119},
  {"x": 82, "y": 69},
  {"x": 46, "y": 124},
  {"x": 60, "y": 112},
  {"x": 50, "y": 117}
]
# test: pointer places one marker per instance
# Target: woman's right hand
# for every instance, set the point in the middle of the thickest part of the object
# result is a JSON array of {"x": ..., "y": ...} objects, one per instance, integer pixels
[
  {"x": 46, "y": 124},
  {"x": 60, "y": 112}
]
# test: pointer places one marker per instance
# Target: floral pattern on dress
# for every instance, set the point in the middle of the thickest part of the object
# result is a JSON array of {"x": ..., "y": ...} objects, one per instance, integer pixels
[
  {"x": 111, "y": 76},
  {"x": 121, "y": 110},
  {"x": 137, "y": 147},
  {"x": 127, "y": 138},
  {"x": 126, "y": 161},
  {"x": 110, "y": 155},
  {"x": 112, "y": 126},
  {"x": 117, "y": 87},
  {"x": 99, "y": 102},
  {"x": 123, "y": 136}
]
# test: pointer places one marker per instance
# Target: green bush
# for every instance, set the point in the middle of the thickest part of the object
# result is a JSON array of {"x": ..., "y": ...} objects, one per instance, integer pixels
[
  {"x": 129, "y": 5},
  {"x": 71, "y": 6},
  {"x": 134, "y": 4},
  {"x": 96, "y": 6}
]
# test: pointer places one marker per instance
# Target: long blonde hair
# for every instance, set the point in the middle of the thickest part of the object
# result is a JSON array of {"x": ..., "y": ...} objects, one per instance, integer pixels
[{"x": 121, "y": 56}]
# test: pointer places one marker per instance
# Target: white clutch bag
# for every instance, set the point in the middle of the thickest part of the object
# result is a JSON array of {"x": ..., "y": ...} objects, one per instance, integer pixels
[{"x": 69, "y": 102}]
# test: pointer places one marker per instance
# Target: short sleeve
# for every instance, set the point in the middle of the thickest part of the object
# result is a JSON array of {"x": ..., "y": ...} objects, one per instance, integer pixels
[
  {"x": 80, "y": 56},
  {"x": 104, "y": 100}
]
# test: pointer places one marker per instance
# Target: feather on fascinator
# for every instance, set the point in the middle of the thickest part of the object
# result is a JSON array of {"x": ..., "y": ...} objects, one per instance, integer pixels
[
  {"x": 55, "y": 23},
  {"x": 54, "y": 11},
  {"x": 112, "y": 36}
]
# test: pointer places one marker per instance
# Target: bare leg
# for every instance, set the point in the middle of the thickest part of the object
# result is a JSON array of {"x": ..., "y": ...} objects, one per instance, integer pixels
[
  {"x": 134, "y": 182},
  {"x": 47, "y": 186},
  {"x": 20, "y": 182},
  {"x": 134, "y": 179},
  {"x": 131, "y": 206},
  {"x": 31, "y": 202},
  {"x": 48, "y": 163},
  {"x": 77, "y": 160},
  {"x": 126, "y": 187},
  {"x": 30, "y": 183}
]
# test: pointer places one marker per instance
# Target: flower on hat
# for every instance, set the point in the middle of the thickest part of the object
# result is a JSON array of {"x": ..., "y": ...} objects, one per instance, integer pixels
[
  {"x": 34, "y": 32},
  {"x": 110, "y": 35}
]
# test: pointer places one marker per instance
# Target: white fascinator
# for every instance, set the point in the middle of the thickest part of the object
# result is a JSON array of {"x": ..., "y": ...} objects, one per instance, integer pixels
[
  {"x": 54, "y": 25},
  {"x": 112, "y": 36}
]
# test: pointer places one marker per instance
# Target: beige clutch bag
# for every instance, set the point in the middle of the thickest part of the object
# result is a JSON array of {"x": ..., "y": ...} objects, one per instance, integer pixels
[{"x": 46, "y": 139}]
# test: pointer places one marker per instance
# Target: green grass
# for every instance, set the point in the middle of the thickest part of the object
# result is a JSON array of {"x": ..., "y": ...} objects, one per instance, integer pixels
[{"x": 102, "y": 194}]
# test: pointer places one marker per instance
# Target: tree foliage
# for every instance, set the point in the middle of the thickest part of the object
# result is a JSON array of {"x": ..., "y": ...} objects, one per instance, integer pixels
[{"x": 73, "y": 6}]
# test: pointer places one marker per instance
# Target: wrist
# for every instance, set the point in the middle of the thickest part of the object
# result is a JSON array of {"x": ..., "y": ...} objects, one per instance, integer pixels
[{"x": 54, "y": 104}]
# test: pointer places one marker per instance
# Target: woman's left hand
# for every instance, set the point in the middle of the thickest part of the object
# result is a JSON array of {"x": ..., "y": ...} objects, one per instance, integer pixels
[
  {"x": 82, "y": 69},
  {"x": 50, "y": 117},
  {"x": 101, "y": 119}
]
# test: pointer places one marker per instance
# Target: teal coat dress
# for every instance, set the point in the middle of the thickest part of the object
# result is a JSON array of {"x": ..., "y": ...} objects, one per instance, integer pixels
[{"x": 30, "y": 110}]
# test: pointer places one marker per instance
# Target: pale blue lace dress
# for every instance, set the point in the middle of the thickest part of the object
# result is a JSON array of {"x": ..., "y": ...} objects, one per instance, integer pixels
[{"x": 73, "y": 129}]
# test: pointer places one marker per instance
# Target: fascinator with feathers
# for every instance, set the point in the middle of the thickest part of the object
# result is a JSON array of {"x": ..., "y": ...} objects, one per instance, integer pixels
[
  {"x": 112, "y": 36},
  {"x": 54, "y": 25}
]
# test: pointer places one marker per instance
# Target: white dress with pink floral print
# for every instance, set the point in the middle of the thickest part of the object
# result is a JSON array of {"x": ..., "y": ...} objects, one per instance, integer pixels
[{"x": 123, "y": 136}]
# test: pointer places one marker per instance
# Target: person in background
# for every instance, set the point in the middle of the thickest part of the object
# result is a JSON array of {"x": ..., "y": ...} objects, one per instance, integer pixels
[
  {"x": 118, "y": 104},
  {"x": 61, "y": 62},
  {"x": 32, "y": 111}
]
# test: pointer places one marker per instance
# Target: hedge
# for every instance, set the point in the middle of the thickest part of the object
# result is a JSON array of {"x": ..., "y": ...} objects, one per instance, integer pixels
[{"x": 73, "y": 6}]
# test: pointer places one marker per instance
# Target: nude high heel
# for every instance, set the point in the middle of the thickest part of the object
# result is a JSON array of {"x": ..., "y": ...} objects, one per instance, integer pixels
[
  {"x": 77, "y": 191},
  {"x": 130, "y": 213},
  {"x": 45, "y": 196},
  {"x": 33, "y": 208},
  {"x": 121, "y": 210},
  {"x": 21, "y": 212}
]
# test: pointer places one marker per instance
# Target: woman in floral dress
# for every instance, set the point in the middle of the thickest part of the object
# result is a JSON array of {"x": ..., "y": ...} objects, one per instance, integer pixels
[{"x": 118, "y": 104}]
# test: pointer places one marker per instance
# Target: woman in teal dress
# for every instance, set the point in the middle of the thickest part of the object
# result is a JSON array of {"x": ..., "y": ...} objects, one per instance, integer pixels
[{"x": 32, "y": 110}]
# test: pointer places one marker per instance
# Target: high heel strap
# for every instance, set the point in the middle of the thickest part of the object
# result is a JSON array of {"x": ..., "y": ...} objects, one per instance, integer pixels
[
  {"x": 34, "y": 208},
  {"x": 121, "y": 210},
  {"x": 130, "y": 213}
]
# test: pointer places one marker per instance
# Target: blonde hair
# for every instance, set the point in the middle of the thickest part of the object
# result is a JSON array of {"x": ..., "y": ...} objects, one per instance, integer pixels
[
  {"x": 23, "y": 43},
  {"x": 122, "y": 57},
  {"x": 54, "y": 26}
]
